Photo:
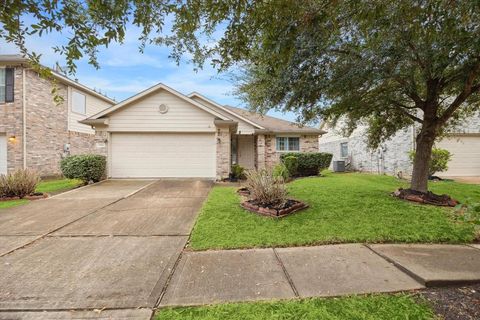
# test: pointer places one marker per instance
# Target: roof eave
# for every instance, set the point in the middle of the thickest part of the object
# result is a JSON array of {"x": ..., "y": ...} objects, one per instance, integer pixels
[{"x": 269, "y": 131}]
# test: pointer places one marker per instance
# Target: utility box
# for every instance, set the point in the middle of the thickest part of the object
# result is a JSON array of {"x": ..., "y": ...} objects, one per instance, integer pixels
[{"x": 339, "y": 166}]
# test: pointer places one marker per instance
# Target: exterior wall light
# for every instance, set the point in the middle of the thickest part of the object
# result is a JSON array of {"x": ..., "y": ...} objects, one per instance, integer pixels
[{"x": 12, "y": 139}]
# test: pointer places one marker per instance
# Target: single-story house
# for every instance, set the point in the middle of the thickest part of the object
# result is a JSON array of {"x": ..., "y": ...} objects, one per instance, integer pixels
[
  {"x": 163, "y": 133},
  {"x": 392, "y": 156},
  {"x": 35, "y": 131}
]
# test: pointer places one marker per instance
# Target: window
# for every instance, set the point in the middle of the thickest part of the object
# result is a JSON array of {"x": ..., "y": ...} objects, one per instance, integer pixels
[
  {"x": 344, "y": 149},
  {"x": 288, "y": 144},
  {"x": 6, "y": 84},
  {"x": 78, "y": 103}
]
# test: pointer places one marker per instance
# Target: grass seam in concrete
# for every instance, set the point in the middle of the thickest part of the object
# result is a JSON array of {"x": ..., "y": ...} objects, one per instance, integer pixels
[
  {"x": 113, "y": 235},
  {"x": 69, "y": 223},
  {"x": 285, "y": 272}
]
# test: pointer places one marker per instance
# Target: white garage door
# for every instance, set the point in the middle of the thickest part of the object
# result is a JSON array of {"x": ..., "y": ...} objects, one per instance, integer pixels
[
  {"x": 3, "y": 154},
  {"x": 465, "y": 155},
  {"x": 155, "y": 155}
]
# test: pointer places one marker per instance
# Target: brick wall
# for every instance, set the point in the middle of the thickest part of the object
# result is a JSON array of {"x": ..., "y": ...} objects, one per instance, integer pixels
[
  {"x": 308, "y": 143},
  {"x": 47, "y": 127},
  {"x": 11, "y": 124},
  {"x": 223, "y": 152}
]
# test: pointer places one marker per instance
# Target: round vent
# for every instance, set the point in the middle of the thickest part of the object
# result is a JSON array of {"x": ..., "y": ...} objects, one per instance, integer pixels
[{"x": 163, "y": 108}]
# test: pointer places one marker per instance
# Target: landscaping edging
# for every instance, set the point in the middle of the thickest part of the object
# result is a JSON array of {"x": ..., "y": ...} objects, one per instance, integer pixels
[
  {"x": 35, "y": 196},
  {"x": 271, "y": 212}
]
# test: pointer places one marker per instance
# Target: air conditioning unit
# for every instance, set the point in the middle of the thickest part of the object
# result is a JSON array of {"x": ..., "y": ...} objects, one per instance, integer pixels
[{"x": 339, "y": 166}]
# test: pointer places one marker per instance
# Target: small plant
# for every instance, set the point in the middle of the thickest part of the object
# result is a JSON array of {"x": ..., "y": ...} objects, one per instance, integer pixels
[
  {"x": 266, "y": 189},
  {"x": 86, "y": 167},
  {"x": 238, "y": 172},
  {"x": 291, "y": 163},
  {"x": 281, "y": 171},
  {"x": 438, "y": 162},
  {"x": 20, "y": 183}
]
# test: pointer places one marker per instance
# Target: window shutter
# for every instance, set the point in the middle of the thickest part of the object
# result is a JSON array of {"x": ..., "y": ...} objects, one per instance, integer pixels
[{"x": 9, "y": 84}]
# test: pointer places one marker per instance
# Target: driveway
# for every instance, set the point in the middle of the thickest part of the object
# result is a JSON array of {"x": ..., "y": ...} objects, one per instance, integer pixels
[{"x": 109, "y": 246}]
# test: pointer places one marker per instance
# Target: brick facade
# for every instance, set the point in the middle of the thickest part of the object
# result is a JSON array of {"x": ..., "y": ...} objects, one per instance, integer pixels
[
  {"x": 223, "y": 155},
  {"x": 47, "y": 134}
]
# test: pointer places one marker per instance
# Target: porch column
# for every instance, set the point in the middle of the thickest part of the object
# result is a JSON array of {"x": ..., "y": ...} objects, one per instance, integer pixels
[
  {"x": 223, "y": 151},
  {"x": 260, "y": 152}
]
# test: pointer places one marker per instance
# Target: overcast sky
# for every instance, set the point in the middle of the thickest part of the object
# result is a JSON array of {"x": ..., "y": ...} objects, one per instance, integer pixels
[{"x": 125, "y": 71}]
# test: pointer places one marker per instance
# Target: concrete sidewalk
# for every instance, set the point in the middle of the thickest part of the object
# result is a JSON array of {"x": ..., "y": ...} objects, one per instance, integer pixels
[{"x": 321, "y": 271}]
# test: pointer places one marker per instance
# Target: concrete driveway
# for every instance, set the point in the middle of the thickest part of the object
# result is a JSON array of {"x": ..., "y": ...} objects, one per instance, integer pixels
[{"x": 108, "y": 246}]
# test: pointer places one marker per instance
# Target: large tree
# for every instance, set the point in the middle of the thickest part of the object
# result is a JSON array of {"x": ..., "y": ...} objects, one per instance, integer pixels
[{"x": 387, "y": 64}]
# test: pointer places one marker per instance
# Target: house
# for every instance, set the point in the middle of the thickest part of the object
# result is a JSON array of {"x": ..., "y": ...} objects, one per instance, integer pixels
[
  {"x": 35, "y": 131},
  {"x": 392, "y": 156},
  {"x": 163, "y": 133}
]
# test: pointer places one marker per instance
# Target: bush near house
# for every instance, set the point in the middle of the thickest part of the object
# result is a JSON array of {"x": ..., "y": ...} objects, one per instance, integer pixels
[
  {"x": 291, "y": 163},
  {"x": 20, "y": 183},
  {"x": 439, "y": 161},
  {"x": 86, "y": 167},
  {"x": 308, "y": 163}
]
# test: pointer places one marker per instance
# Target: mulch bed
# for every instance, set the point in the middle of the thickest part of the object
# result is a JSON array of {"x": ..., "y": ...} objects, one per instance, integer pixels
[
  {"x": 290, "y": 207},
  {"x": 33, "y": 196},
  {"x": 454, "y": 303},
  {"x": 425, "y": 197},
  {"x": 243, "y": 192}
]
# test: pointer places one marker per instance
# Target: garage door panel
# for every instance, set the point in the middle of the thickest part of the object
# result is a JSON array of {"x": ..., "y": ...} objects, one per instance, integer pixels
[
  {"x": 465, "y": 155},
  {"x": 140, "y": 155}
]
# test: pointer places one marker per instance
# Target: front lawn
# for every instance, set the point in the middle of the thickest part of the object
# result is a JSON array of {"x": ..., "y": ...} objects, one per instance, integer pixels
[
  {"x": 372, "y": 307},
  {"x": 349, "y": 207},
  {"x": 49, "y": 186}
]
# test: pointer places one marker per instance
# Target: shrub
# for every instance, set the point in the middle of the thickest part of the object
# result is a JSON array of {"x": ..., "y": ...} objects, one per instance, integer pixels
[
  {"x": 21, "y": 183},
  {"x": 238, "y": 172},
  {"x": 86, "y": 167},
  {"x": 438, "y": 162},
  {"x": 281, "y": 171},
  {"x": 309, "y": 164},
  {"x": 266, "y": 189},
  {"x": 291, "y": 163}
]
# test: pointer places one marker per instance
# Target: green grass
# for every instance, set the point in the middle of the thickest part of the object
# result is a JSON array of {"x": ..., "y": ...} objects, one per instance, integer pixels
[
  {"x": 343, "y": 208},
  {"x": 391, "y": 307},
  {"x": 48, "y": 186}
]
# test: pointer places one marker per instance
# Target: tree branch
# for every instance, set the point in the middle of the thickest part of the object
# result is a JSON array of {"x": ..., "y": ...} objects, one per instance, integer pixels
[{"x": 401, "y": 107}]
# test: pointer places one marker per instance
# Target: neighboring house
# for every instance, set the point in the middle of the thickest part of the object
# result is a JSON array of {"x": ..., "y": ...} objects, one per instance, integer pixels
[
  {"x": 163, "y": 133},
  {"x": 392, "y": 156},
  {"x": 36, "y": 132}
]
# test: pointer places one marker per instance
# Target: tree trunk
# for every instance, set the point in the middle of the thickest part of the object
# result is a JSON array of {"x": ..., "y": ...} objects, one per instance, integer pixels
[{"x": 423, "y": 154}]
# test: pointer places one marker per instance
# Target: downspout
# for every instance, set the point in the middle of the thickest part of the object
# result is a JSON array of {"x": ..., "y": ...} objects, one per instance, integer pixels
[{"x": 24, "y": 115}]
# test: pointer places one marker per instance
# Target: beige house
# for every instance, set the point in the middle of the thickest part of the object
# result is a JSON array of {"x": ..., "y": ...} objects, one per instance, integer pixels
[
  {"x": 163, "y": 133},
  {"x": 36, "y": 132}
]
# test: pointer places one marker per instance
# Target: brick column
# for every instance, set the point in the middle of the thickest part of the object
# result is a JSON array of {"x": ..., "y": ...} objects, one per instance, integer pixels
[
  {"x": 260, "y": 152},
  {"x": 223, "y": 152}
]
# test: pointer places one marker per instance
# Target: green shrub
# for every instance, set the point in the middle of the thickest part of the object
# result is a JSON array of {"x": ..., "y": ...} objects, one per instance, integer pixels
[
  {"x": 21, "y": 183},
  {"x": 86, "y": 167},
  {"x": 281, "y": 171},
  {"x": 309, "y": 164},
  {"x": 238, "y": 172},
  {"x": 291, "y": 163},
  {"x": 438, "y": 162}
]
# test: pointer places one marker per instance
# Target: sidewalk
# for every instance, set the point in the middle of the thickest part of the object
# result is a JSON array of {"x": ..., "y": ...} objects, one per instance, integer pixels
[{"x": 281, "y": 273}]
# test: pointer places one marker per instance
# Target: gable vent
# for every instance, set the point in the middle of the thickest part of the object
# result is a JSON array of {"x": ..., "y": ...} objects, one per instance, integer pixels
[{"x": 163, "y": 108}]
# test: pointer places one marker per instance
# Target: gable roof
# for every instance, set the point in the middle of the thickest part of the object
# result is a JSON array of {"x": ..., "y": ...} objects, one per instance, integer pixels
[
  {"x": 151, "y": 90},
  {"x": 17, "y": 59},
  {"x": 236, "y": 115},
  {"x": 273, "y": 124}
]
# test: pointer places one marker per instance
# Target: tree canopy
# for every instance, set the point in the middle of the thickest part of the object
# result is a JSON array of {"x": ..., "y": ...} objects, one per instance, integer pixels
[{"x": 387, "y": 64}]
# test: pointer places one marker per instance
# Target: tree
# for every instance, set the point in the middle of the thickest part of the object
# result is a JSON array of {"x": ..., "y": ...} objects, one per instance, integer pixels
[{"x": 387, "y": 64}]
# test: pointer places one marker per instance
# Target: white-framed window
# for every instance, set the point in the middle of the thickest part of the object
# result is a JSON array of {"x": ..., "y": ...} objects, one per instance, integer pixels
[
  {"x": 344, "y": 149},
  {"x": 79, "y": 103},
  {"x": 288, "y": 144}
]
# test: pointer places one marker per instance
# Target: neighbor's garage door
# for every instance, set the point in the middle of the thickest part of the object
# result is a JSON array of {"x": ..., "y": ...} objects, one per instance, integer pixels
[
  {"x": 145, "y": 155},
  {"x": 465, "y": 155}
]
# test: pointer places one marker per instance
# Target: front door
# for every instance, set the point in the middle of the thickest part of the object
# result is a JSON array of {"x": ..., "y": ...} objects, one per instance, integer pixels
[{"x": 246, "y": 151}]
